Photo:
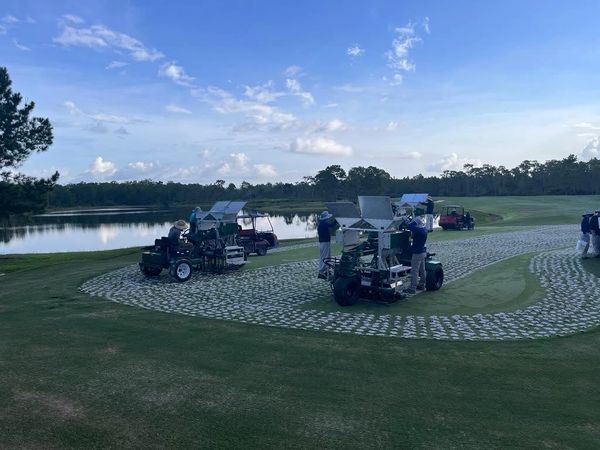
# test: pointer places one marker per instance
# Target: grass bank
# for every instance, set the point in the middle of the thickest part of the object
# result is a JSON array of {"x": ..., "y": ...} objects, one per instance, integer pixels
[{"x": 81, "y": 372}]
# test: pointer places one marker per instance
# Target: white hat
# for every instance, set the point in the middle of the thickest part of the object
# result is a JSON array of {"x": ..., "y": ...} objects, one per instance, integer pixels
[
  {"x": 180, "y": 224},
  {"x": 325, "y": 215}
]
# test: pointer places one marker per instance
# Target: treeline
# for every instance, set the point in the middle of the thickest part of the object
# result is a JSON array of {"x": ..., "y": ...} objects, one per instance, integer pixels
[{"x": 567, "y": 176}]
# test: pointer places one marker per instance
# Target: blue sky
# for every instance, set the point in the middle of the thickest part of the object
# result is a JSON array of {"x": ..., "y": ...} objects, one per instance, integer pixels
[{"x": 272, "y": 91}]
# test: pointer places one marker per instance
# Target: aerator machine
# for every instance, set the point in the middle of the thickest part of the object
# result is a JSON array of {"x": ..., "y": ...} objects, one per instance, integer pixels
[
  {"x": 212, "y": 248},
  {"x": 375, "y": 263}
]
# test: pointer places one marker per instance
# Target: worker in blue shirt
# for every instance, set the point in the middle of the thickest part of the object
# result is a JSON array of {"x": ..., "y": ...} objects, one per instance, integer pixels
[
  {"x": 194, "y": 219},
  {"x": 595, "y": 233},
  {"x": 419, "y": 255},
  {"x": 324, "y": 232}
]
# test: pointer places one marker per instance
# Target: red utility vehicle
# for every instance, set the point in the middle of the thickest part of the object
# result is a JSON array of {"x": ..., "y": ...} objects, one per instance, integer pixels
[
  {"x": 453, "y": 217},
  {"x": 253, "y": 239}
]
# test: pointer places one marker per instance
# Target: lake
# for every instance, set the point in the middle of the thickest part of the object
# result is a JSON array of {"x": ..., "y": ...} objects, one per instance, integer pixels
[{"x": 110, "y": 228}]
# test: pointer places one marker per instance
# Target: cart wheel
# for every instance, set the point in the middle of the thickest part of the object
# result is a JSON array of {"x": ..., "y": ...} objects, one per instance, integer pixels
[
  {"x": 181, "y": 270},
  {"x": 435, "y": 278},
  {"x": 151, "y": 271},
  {"x": 261, "y": 251},
  {"x": 346, "y": 291}
]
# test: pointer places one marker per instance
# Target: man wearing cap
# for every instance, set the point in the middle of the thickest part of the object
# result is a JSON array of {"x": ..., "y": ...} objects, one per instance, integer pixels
[
  {"x": 175, "y": 234},
  {"x": 324, "y": 232},
  {"x": 419, "y": 254},
  {"x": 595, "y": 233},
  {"x": 585, "y": 232}
]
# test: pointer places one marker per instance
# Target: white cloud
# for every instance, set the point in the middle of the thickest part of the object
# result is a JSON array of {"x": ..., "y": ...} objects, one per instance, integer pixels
[
  {"x": 176, "y": 109},
  {"x": 355, "y": 51},
  {"x": 426, "y": 25},
  {"x": 237, "y": 164},
  {"x": 292, "y": 71},
  {"x": 263, "y": 93},
  {"x": 392, "y": 126},
  {"x": 176, "y": 74},
  {"x": 73, "y": 19},
  {"x": 410, "y": 155},
  {"x": 331, "y": 105},
  {"x": 336, "y": 125},
  {"x": 72, "y": 107},
  {"x": 110, "y": 118},
  {"x": 99, "y": 36},
  {"x": 265, "y": 170},
  {"x": 8, "y": 19},
  {"x": 294, "y": 87},
  {"x": 350, "y": 88},
  {"x": 586, "y": 126},
  {"x": 452, "y": 162},
  {"x": 21, "y": 46},
  {"x": 141, "y": 166},
  {"x": 121, "y": 131},
  {"x": 398, "y": 58},
  {"x": 591, "y": 150},
  {"x": 116, "y": 65},
  {"x": 103, "y": 167},
  {"x": 261, "y": 114},
  {"x": 2, "y": 30},
  {"x": 320, "y": 146}
]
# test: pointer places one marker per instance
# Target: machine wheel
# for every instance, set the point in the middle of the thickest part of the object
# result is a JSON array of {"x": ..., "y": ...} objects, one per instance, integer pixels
[
  {"x": 261, "y": 250},
  {"x": 435, "y": 278},
  {"x": 181, "y": 270},
  {"x": 151, "y": 271},
  {"x": 346, "y": 291}
]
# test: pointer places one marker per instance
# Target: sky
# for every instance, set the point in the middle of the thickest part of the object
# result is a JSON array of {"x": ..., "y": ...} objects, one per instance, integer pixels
[{"x": 269, "y": 91}]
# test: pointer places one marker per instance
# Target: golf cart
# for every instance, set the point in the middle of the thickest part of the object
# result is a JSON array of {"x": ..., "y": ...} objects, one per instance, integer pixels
[
  {"x": 375, "y": 263},
  {"x": 253, "y": 239},
  {"x": 453, "y": 217},
  {"x": 212, "y": 248}
]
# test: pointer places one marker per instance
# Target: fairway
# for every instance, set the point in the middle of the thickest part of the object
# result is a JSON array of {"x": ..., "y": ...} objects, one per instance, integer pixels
[{"x": 84, "y": 371}]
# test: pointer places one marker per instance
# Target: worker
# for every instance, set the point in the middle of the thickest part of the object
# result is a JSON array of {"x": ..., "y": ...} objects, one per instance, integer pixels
[
  {"x": 194, "y": 219},
  {"x": 324, "y": 233},
  {"x": 175, "y": 235},
  {"x": 595, "y": 233},
  {"x": 419, "y": 254},
  {"x": 468, "y": 220},
  {"x": 584, "y": 240},
  {"x": 429, "y": 213}
]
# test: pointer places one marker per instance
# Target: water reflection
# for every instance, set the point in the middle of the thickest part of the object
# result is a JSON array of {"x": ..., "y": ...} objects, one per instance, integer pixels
[{"x": 104, "y": 229}]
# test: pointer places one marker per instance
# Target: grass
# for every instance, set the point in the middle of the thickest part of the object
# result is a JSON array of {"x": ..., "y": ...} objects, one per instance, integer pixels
[
  {"x": 542, "y": 210},
  {"x": 81, "y": 372}
]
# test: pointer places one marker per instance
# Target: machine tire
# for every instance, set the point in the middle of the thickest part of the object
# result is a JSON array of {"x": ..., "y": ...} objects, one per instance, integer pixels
[
  {"x": 151, "y": 271},
  {"x": 261, "y": 250},
  {"x": 181, "y": 270},
  {"x": 435, "y": 279},
  {"x": 346, "y": 291}
]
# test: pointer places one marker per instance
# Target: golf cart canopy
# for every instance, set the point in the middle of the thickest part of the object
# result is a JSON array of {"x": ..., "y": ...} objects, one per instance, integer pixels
[
  {"x": 413, "y": 199},
  {"x": 223, "y": 211}
]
